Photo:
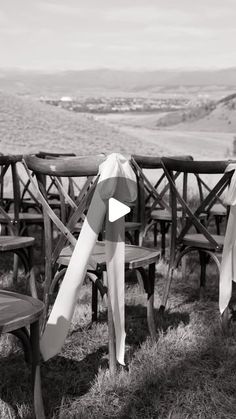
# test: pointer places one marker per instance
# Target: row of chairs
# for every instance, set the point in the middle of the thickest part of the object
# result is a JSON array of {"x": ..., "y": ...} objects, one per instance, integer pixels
[{"x": 53, "y": 193}]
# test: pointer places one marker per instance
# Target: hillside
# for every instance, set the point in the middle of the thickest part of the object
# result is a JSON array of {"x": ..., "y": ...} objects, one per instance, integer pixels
[
  {"x": 221, "y": 119},
  {"x": 28, "y": 126}
]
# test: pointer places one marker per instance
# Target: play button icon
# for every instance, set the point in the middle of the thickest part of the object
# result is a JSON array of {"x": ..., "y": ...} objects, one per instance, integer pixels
[{"x": 116, "y": 209}]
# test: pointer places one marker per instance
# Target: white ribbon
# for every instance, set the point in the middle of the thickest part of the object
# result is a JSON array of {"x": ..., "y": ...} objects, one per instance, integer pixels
[
  {"x": 228, "y": 263},
  {"x": 117, "y": 168}
]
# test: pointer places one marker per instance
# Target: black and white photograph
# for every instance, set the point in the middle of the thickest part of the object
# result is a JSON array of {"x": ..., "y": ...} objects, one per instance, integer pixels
[{"x": 117, "y": 209}]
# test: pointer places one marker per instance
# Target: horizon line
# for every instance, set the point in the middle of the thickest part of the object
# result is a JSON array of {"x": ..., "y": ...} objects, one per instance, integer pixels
[{"x": 123, "y": 69}]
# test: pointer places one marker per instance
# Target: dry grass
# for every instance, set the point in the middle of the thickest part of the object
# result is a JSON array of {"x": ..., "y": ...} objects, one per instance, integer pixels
[
  {"x": 204, "y": 139},
  {"x": 27, "y": 126},
  {"x": 189, "y": 372}
]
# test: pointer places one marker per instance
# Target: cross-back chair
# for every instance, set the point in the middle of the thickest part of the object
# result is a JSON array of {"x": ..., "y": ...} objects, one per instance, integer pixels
[
  {"x": 154, "y": 195},
  {"x": 10, "y": 165},
  {"x": 192, "y": 232},
  {"x": 14, "y": 223},
  {"x": 57, "y": 258}
]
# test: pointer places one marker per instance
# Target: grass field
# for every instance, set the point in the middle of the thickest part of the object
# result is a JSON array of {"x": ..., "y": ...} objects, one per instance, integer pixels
[
  {"x": 188, "y": 372},
  {"x": 210, "y": 143}
]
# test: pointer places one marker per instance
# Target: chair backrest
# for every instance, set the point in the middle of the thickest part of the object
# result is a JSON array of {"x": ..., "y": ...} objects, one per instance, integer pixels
[
  {"x": 50, "y": 185},
  {"x": 9, "y": 173},
  {"x": 154, "y": 195},
  {"x": 192, "y": 216},
  {"x": 63, "y": 168},
  {"x": 52, "y": 155}
]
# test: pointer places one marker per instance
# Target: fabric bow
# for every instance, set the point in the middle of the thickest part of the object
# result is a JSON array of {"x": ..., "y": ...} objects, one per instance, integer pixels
[{"x": 228, "y": 263}]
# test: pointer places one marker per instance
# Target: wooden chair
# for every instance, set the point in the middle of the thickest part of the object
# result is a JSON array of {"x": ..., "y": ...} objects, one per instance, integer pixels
[
  {"x": 57, "y": 259},
  {"x": 11, "y": 240},
  {"x": 18, "y": 218},
  {"x": 17, "y": 313},
  {"x": 191, "y": 233},
  {"x": 155, "y": 201},
  {"x": 12, "y": 219}
]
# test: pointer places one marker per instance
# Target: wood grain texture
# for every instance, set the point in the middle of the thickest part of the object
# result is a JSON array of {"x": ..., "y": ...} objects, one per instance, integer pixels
[{"x": 17, "y": 310}]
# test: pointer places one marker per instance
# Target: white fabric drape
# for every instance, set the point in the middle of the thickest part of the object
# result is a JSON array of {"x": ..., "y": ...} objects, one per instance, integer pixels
[
  {"x": 115, "y": 168},
  {"x": 228, "y": 263}
]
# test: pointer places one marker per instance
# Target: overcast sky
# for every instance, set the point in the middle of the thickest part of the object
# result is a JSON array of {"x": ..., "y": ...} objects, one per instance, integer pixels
[{"x": 128, "y": 34}]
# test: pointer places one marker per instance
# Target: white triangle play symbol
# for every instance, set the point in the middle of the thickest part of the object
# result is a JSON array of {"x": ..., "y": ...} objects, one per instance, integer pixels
[{"x": 116, "y": 209}]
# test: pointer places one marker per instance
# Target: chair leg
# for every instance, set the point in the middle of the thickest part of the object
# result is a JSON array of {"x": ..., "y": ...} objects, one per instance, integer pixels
[
  {"x": 94, "y": 302},
  {"x": 163, "y": 238},
  {"x": 111, "y": 332},
  {"x": 32, "y": 280},
  {"x": 23, "y": 335},
  {"x": 155, "y": 234},
  {"x": 167, "y": 289},
  {"x": 217, "y": 221},
  {"x": 149, "y": 284},
  {"x": 225, "y": 321},
  {"x": 22, "y": 255},
  {"x": 203, "y": 262},
  {"x": 15, "y": 268},
  {"x": 136, "y": 237},
  {"x": 36, "y": 378},
  {"x": 150, "y": 301}
]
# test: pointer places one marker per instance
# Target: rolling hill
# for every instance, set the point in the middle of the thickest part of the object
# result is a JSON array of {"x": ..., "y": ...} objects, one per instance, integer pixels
[
  {"x": 222, "y": 118},
  {"x": 27, "y": 125}
]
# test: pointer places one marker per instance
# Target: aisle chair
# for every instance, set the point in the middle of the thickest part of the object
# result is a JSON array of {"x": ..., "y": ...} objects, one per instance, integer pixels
[
  {"x": 155, "y": 205},
  {"x": 57, "y": 259},
  {"x": 13, "y": 214},
  {"x": 14, "y": 224},
  {"x": 13, "y": 205},
  {"x": 192, "y": 233}
]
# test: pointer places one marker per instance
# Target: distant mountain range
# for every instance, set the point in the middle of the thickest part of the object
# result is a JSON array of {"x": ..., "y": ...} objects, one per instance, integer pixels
[{"x": 71, "y": 82}]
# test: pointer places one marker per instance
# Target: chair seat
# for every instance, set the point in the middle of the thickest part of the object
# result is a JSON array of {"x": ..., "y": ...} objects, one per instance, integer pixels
[
  {"x": 15, "y": 242},
  {"x": 163, "y": 215},
  {"x": 132, "y": 225},
  {"x": 17, "y": 310},
  {"x": 30, "y": 203},
  {"x": 218, "y": 209},
  {"x": 135, "y": 256},
  {"x": 24, "y": 217},
  {"x": 200, "y": 241}
]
